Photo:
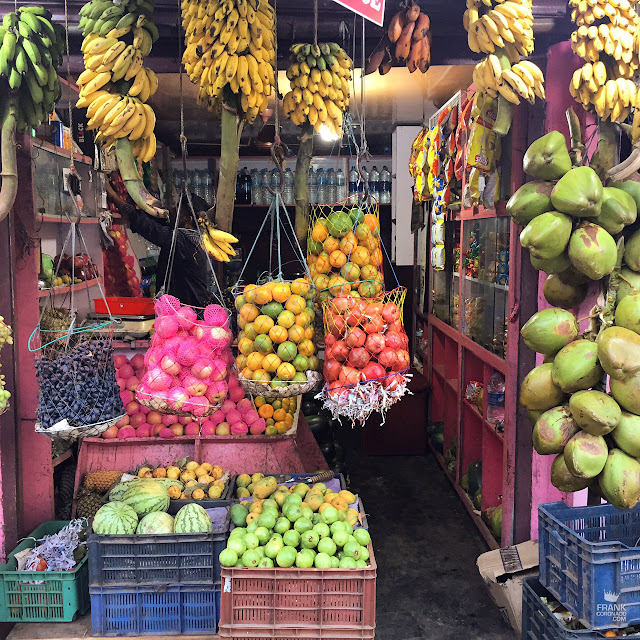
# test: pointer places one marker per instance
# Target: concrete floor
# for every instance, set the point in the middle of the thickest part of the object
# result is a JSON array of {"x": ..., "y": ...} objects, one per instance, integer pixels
[{"x": 426, "y": 547}]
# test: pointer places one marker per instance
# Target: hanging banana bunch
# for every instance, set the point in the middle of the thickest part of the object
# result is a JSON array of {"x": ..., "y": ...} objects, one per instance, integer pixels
[
  {"x": 319, "y": 75},
  {"x": 610, "y": 50},
  {"x": 230, "y": 43},
  {"x": 217, "y": 243},
  {"x": 116, "y": 85},
  {"x": 30, "y": 53}
]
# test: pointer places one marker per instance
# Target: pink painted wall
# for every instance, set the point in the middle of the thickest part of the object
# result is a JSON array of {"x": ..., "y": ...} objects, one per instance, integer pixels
[{"x": 561, "y": 63}]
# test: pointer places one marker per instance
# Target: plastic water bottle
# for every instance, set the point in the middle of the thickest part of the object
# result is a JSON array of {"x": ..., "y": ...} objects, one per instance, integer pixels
[
  {"x": 256, "y": 188},
  {"x": 289, "y": 180},
  {"x": 353, "y": 185},
  {"x": 177, "y": 180},
  {"x": 365, "y": 178},
  {"x": 312, "y": 185},
  {"x": 275, "y": 180},
  {"x": 208, "y": 188},
  {"x": 332, "y": 195},
  {"x": 374, "y": 183},
  {"x": 385, "y": 186},
  {"x": 495, "y": 397},
  {"x": 341, "y": 186},
  {"x": 195, "y": 185},
  {"x": 266, "y": 183},
  {"x": 322, "y": 187},
  {"x": 246, "y": 186}
]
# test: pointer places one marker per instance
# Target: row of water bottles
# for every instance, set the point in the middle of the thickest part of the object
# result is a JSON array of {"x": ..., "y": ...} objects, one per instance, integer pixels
[
  {"x": 256, "y": 187},
  {"x": 379, "y": 184},
  {"x": 199, "y": 182}
]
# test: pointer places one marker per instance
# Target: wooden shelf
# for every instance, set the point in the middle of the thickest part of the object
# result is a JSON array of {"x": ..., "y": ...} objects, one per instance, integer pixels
[
  {"x": 60, "y": 219},
  {"x": 61, "y": 458},
  {"x": 479, "y": 212},
  {"x": 486, "y": 283},
  {"x": 474, "y": 409},
  {"x": 451, "y": 383},
  {"x": 56, "y": 291},
  {"x": 65, "y": 153}
]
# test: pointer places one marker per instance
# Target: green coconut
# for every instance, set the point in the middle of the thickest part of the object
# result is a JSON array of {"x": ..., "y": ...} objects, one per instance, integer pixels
[
  {"x": 553, "y": 430},
  {"x": 620, "y": 480},
  {"x": 538, "y": 392},
  {"x": 595, "y": 412},
  {"x": 548, "y": 330},
  {"x": 593, "y": 251},
  {"x": 563, "y": 480},
  {"x": 547, "y": 235},
  {"x": 627, "y": 434},
  {"x": 576, "y": 366},
  {"x": 585, "y": 455}
]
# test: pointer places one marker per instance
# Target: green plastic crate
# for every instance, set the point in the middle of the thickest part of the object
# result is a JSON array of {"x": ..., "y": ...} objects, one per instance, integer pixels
[{"x": 61, "y": 596}]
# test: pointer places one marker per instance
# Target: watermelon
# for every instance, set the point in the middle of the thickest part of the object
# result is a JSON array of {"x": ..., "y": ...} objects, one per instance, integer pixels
[
  {"x": 155, "y": 523},
  {"x": 115, "y": 518},
  {"x": 119, "y": 490},
  {"x": 192, "y": 518},
  {"x": 146, "y": 497}
]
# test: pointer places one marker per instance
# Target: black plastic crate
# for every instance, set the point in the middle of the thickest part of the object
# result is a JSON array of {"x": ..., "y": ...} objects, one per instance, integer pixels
[
  {"x": 155, "y": 611},
  {"x": 178, "y": 558}
]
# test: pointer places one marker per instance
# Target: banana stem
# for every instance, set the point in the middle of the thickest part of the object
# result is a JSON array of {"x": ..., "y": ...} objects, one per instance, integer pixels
[
  {"x": 133, "y": 182},
  {"x": 575, "y": 133},
  {"x": 504, "y": 116},
  {"x": 229, "y": 158},
  {"x": 301, "y": 185},
  {"x": 9, "y": 174},
  {"x": 605, "y": 156}
]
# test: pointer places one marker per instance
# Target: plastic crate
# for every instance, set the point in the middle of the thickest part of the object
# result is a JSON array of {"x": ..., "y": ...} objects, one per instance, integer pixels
[
  {"x": 276, "y": 633},
  {"x": 259, "y": 602},
  {"x": 590, "y": 561},
  {"x": 335, "y": 484},
  {"x": 155, "y": 611},
  {"x": 60, "y": 596},
  {"x": 538, "y": 623},
  {"x": 123, "y": 306},
  {"x": 178, "y": 558}
]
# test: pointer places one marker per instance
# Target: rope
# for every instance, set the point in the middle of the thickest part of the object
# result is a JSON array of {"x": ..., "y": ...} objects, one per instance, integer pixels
[
  {"x": 315, "y": 22},
  {"x": 275, "y": 72},
  {"x": 66, "y": 33}
]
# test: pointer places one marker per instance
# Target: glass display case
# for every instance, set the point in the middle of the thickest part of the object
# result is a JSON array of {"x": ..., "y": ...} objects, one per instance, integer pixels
[
  {"x": 484, "y": 271},
  {"x": 444, "y": 282}
]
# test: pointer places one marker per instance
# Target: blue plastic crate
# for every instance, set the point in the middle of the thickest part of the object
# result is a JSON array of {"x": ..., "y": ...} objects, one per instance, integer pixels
[
  {"x": 538, "y": 623},
  {"x": 175, "y": 558},
  {"x": 590, "y": 561},
  {"x": 155, "y": 610}
]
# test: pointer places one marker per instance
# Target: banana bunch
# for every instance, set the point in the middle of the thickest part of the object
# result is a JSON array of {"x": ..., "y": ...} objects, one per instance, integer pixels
[
  {"x": 500, "y": 25},
  {"x": 494, "y": 75},
  {"x": 115, "y": 85},
  {"x": 230, "y": 43},
  {"x": 217, "y": 243},
  {"x": 319, "y": 76},
  {"x": 31, "y": 50}
]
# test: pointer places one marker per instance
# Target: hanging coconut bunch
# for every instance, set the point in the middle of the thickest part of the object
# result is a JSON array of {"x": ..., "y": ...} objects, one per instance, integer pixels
[
  {"x": 116, "y": 85},
  {"x": 231, "y": 45},
  {"x": 607, "y": 37},
  {"x": 319, "y": 75}
]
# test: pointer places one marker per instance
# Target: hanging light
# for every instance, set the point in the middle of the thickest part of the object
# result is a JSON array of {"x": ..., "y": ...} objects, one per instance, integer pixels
[{"x": 327, "y": 135}]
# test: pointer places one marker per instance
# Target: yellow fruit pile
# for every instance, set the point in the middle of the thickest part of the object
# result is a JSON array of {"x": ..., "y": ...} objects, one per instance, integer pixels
[
  {"x": 230, "y": 43},
  {"x": 276, "y": 332},
  {"x": 319, "y": 76},
  {"x": 115, "y": 84},
  {"x": 200, "y": 480},
  {"x": 610, "y": 48},
  {"x": 345, "y": 254},
  {"x": 277, "y": 413}
]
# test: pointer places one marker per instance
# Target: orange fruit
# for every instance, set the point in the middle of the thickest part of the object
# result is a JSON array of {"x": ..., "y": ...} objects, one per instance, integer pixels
[
  {"x": 265, "y": 411},
  {"x": 360, "y": 255},
  {"x": 331, "y": 244},
  {"x": 249, "y": 312},
  {"x": 287, "y": 318},
  {"x": 263, "y": 296},
  {"x": 245, "y": 346},
  {"x": 306, "y": 348},
  {"x": 322, "y": 263},
  {"x": 302, "y": 319},
  {"x": 321, "y": 281},
  {"x": 271, "y": 362},
  {"x": 261, "y": 376},
  {"x": 247, "y": 373},
  {"x": 263, "y": 324},
  {"x": 270, "y": 422},
  {"x": 250, "y": 292},
  {"x": 271, "y": 431},
  {"x": 286, "y": 371},
  {"x": 300, "y": 286},
  {"x": 241, "y": 362},
  {"x": 337, "y": 259},
  {"x": 241, "y": 322},
  {"x": 288, "y": 420},
  {"x": 296, "y": 333},
  {"x": 279, "y": 414},
  {"x": 376, "y": 258},
  {"x": 319, "y": 233},
  {"x": 309, "y": 332},
  {"x": 278, "y": 334},
  {"x": 348, "y": 243},
  {"x": 295, "y": 304},
  {"x": 281, "y": 292},
  {"x": 254, "y": 361},
  {"x": 259, "y": 401},
  {"x": 281, "y": 427},
  {"x": 250, "y": 331},
  {"x": 371, "y": 220},
  {"x": 362, "y": 232}
]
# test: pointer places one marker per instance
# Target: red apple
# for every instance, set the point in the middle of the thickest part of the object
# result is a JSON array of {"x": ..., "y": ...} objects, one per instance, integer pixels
[
  {"x": 156, "y": 429},
  {"x": 136, "y": 419},
  {"x": 110, "y": 433},
  {"x": 153, "y": 417},
  {"x": 184, "y": 419},
  {"x": 165, "y": 432},
  {"x": 132, "y": 383},
  {"x": 192, "y": 429},
  {"x": 223, "y": 429},
  {"x": 143, "y": 431},
  {"x": 168, "y": 419},
  {"x": 132, "y": 407},
  {"x": 125, "y": 371},
  {"x": 123, "y": 422},
  {"x": 120, "y": 361},
  {"x": 126, "y": 432},
  {"x": 170, "y": 366},
  {"x": 177, "y": 429}
]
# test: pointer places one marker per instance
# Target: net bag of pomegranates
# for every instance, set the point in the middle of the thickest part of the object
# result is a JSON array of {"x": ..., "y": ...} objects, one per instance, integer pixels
[
  {"x": 188, "y": 362},
  {"x": 366, "y": 363}
]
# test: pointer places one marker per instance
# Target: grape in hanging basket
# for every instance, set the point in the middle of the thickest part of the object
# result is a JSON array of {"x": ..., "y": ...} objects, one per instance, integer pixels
[
  {"x": 187, "y": 365},
  {"x": 277, "y": 356},
  {"x": 366, "y": 358}
]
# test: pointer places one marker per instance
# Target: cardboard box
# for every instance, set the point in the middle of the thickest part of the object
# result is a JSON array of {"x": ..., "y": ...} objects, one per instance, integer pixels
[{"x": 503, "y": 571}]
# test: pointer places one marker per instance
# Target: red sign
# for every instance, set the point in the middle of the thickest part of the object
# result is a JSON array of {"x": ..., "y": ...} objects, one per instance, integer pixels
[{"x": 370, "y": 9}]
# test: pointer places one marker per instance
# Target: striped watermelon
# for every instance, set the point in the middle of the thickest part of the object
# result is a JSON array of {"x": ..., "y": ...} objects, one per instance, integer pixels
[
  {"x": 146, "y": 497},
  {"x": 155, "y": 523},
  {"x": 115, "y": 518},
  {"x": 120, "y": 489},
  {"x": 192, "y": 518}
]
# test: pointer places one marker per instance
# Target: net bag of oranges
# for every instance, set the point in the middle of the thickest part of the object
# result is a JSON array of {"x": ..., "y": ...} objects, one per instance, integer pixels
[
  {"x": 276, "y": 352},
  {"x": 344, "y": 252},
  {"x": 366, "y": 365},
  {"x": 188, "y": 363}
]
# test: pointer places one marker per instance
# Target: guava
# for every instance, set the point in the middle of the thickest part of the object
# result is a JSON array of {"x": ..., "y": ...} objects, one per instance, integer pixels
[
  {"x": 250, "y": 558},
  {"x": 291, "y": 538},
  {"x": 282, "y": 524},
  {"x": 330, "y": 515},
  {"x": 228, "y": 557},
  {"x": 265, "y": 563},
  {"x": 304, "y": 559},
  {"x": 347, "y": 563},
  {"x": 263, "y": 534},
  {"x": 340, "y": 538},
  {"x": 362, "y": 537},
  {"x": 322, "y": 529},
  {"x": 328, "y": 546},
  {"x": 272, "y": 548},
  {"x": 309, "y": 539},
  {"x": 251, "y": 541},
  {"x": 237, "y": 544},
  {"x": 322, "y": 561},
  {"x": 302, "y": 524},
  {"x": 286, "y": 557}
]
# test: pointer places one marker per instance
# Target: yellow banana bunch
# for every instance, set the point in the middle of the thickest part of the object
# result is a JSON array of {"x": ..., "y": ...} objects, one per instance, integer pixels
[
  {"x": 217, "y": 243},
  {"x": 320, "y": 77},
  {"x": 230, "y": 43},
  {"x": 494, "y": 75},
  {"x": 504, "y": 25}
]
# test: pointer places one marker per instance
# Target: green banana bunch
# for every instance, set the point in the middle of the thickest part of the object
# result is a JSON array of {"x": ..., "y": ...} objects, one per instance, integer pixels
[{"x": 31, "y": 50}]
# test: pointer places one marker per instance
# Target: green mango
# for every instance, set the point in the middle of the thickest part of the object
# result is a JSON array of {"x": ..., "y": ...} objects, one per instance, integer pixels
[
  {"x": 632, "y": 251},
  {"x": 561, "y": 294},
  {"x": 619, "y": 353},
  {"x": 628, "y": 282},
  {"x": 578, "y": 193},
  {"x": 548, "y": 330},
  {"x": 595, "y": 412},
  {"x": 529, "y": 201},
  {"x": 563, "y": 480},
  {"x": 631, "y": 187},
  {"x": 618, "y": 210},
  {"x": 547, "y": 235},
  {"x": 620, "y": 480},
  {"x": 538, "y": 392},
  {"x": 593, "y": 251},
  {"x": 547, "y": 158},
  {"x": 551, "y": 265},
  {"x": 576, "y": 366},
  {"x": 628, "y": 312}
]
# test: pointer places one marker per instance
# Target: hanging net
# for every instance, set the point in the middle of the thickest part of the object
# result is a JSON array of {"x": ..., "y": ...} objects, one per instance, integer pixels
[{"x": 366, "y": 354}]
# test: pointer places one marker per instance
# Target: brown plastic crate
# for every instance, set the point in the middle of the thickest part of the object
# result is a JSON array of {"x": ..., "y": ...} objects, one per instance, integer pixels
[
  {"x": 268, "y": 602},
  {"x": 272, "y": 633}
]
